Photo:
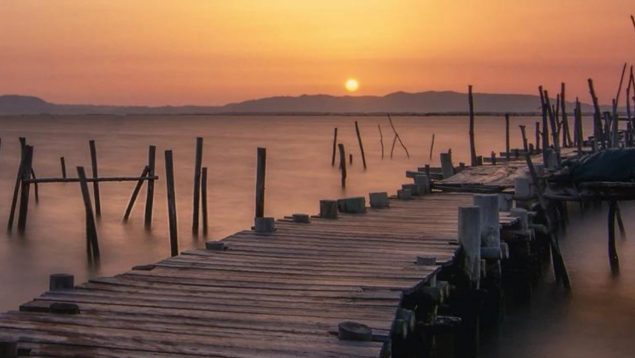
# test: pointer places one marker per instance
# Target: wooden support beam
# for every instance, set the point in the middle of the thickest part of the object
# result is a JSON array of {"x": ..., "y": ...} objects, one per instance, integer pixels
[
  {"x": 89, "y": 180},
  {"x": 135, "y": 193},
  {"x": 172, "y": 218}
]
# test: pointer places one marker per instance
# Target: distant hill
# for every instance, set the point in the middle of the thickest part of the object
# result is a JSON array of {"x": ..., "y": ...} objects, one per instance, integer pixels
[{"x": 431, "y": 102}]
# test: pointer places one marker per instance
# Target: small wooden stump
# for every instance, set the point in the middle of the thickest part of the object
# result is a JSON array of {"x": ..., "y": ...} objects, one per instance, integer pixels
[
  {"x": 265, "y": 225},
  {"x": 423, "y": 184},
  {"x": 215, "y": 245},
  {"x": 379, "y": 200},
  {"x": 353, "y": 331},
  {"x": 414, "y": 189},
  {"x": 301, "y": 218},
  {"x": 446, "y": 165},
  {"x": 61, "y": 281},
  {"x": 328, "y": 209},
  {"x": 404, "y": 194},
  {"x": 356, "y": 205}
]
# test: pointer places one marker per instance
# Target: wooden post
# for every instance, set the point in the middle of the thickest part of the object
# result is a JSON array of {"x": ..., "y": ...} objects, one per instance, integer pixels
[
  {"x": 93, "y": 160},
  {"x": 493, "y": 157},
  {"x": 198, "y": 161},
  {"x": 204, "y": 199},
  {"x": 447, "y": 168},
  {"x": 597, "y": 118},
  {"x": 525, "y": 145},
  {"x": 342, "y": 164},
  {"x": 613, "y": 258},
  {"x": 490, "y": 232},
  {"x": 260, "y": 182},
  {"x": 17, "y": 187},
  {"x": 350, "y": 159},
  {"x": 92, "y": 243},
  {"x": 470, "y": 239},
  {"x": 472, "y": 144},
  {"x": 507, "y": 136},
  {"x": 554, "y": 125},
  {"x": 545, "y": 126},
  {"x": 169, "y": 181},
  {"x": 361, "y": 146},
  {"x": 577, "y": 126},
  {"x": 381, "y": 142},
  {"x": 135, "y": 193},
  {"x": 150, "y": 187},
  {"x": 25, "y": 188},
  {"x": 63, "y": 165},
  {"x": 566, "y": 134},
  {"x": 335, "y": 146},
  {"x": 431, "y": 148},
  {"x": 537, "y": 136}
]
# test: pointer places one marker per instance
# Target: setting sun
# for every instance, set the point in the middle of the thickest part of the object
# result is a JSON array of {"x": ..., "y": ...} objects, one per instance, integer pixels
[{"x": 351, "y": 85}]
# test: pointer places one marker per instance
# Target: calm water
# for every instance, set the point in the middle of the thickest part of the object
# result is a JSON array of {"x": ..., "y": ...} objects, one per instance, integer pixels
[{"x": 596, "y": 316}]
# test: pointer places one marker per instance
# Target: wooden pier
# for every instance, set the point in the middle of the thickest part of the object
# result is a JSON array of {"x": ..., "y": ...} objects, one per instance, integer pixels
[{"x": 278, "y": 294}]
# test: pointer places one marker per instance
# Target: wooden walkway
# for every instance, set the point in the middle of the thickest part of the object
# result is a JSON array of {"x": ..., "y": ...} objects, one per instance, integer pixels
[{"x": 266, "y": 295}]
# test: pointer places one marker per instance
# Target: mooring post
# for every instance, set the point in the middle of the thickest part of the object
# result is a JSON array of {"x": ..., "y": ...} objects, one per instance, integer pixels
[
  {"x": 261, "y": 167},
  {"x": 597, "y": 118},
  {"x": 135, "y": 193},
  {"x": 92, "y": 243},
  {"x": 537, "y": 136},
  {"x": 361, "y": 146},
  {"x": 17, "y": 187},
  {"x": 204, "y": 199},
  {"x": 93, "y": 160},
  {"x": 25, "y": 188},
  {"x": 342, "y": 164},
  {"x": 335, "y": 146},
  {"x": 447, "y": 168},
  {"x": 169, "y": 181},
  {"x": 431, "y": 148},
  {"x": 579, "y": 140},
  {"x": 63, "y": 165},
  {"x": 150, "y": 187},
  {"x": 198, "y": 162},
  {"x": 507, "y": 136},
  {"x": 381, "y": 141},
  {"x": 566, "y": 134},
  {"x": 472, "y": 144}
]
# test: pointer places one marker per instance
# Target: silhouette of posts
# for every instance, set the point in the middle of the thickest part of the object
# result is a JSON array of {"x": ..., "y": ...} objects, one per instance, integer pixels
[
  {"x": 135, "y": 193},
  {"x": 18, "y": 185},
  {"x": 204, "y": 199},
  {"x": 507, "y": 136},
  {"x": 335, "y": 146},
  {"x": 361, "y": 146},
  {"x": 25, "y": 187},
  {"x": 150, "y": 188},
  {"x": 342, "y": 164}
]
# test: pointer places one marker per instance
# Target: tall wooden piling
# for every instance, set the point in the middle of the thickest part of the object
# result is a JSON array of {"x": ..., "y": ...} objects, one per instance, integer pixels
[
  {"x": 342, "y": 164},
  {"x": 613, "y": 257},
  {"x": 63, "y": 166},
  {"x": 92, "y": 243},
  {"x": 204, "y": 199},
  {"x": 335, "y": 146},
  {"x": 198, "y": 162},
  {"x": 597, "y": 118},
  {"x": 537, "y": 130},
  {"x": 545, "y": 126},
  {"x": 25, "y": 187},
  {"x": 381, "y": 143},
  {"x": 361, "y": 145},
  {"x": 150, "y": 187},
  {"x": 431, "y": 148},
  {"x": 172, "y": 222},
  {"x": 566, "y": 134},
  {"x": 17, "y": 187},
  {"x": 261, "y": 168},
  {"x": 472, "y": 144},
  {"x": 93, "y": 160},
  {"x": 579, "y": 136},
  {"x": 507, "y": 136}
]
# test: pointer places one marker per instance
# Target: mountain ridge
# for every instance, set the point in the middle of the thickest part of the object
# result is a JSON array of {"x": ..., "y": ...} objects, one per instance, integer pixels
[{"x": 428, "y": 102}]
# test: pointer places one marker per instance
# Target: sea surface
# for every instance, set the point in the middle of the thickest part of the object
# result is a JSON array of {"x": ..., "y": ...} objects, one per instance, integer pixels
[{"x": 596, "y": 319}]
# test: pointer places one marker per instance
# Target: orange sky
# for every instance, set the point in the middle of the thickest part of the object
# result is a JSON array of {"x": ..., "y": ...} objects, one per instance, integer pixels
[{"x": 218, "y": 51}]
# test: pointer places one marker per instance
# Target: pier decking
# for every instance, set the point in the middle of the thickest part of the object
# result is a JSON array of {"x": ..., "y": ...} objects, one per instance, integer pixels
[{"x": 281, "y": 294}]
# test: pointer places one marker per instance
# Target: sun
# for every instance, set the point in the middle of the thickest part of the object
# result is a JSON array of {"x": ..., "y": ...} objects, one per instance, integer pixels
[{"x": 351, "y": 85}]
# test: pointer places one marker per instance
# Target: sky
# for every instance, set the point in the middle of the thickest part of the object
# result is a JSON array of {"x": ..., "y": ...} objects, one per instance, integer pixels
[{"x": 211, "y": 52}]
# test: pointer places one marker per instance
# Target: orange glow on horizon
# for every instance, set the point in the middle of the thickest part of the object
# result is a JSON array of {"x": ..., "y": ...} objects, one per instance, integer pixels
[{"x": 214, "y": 52}]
